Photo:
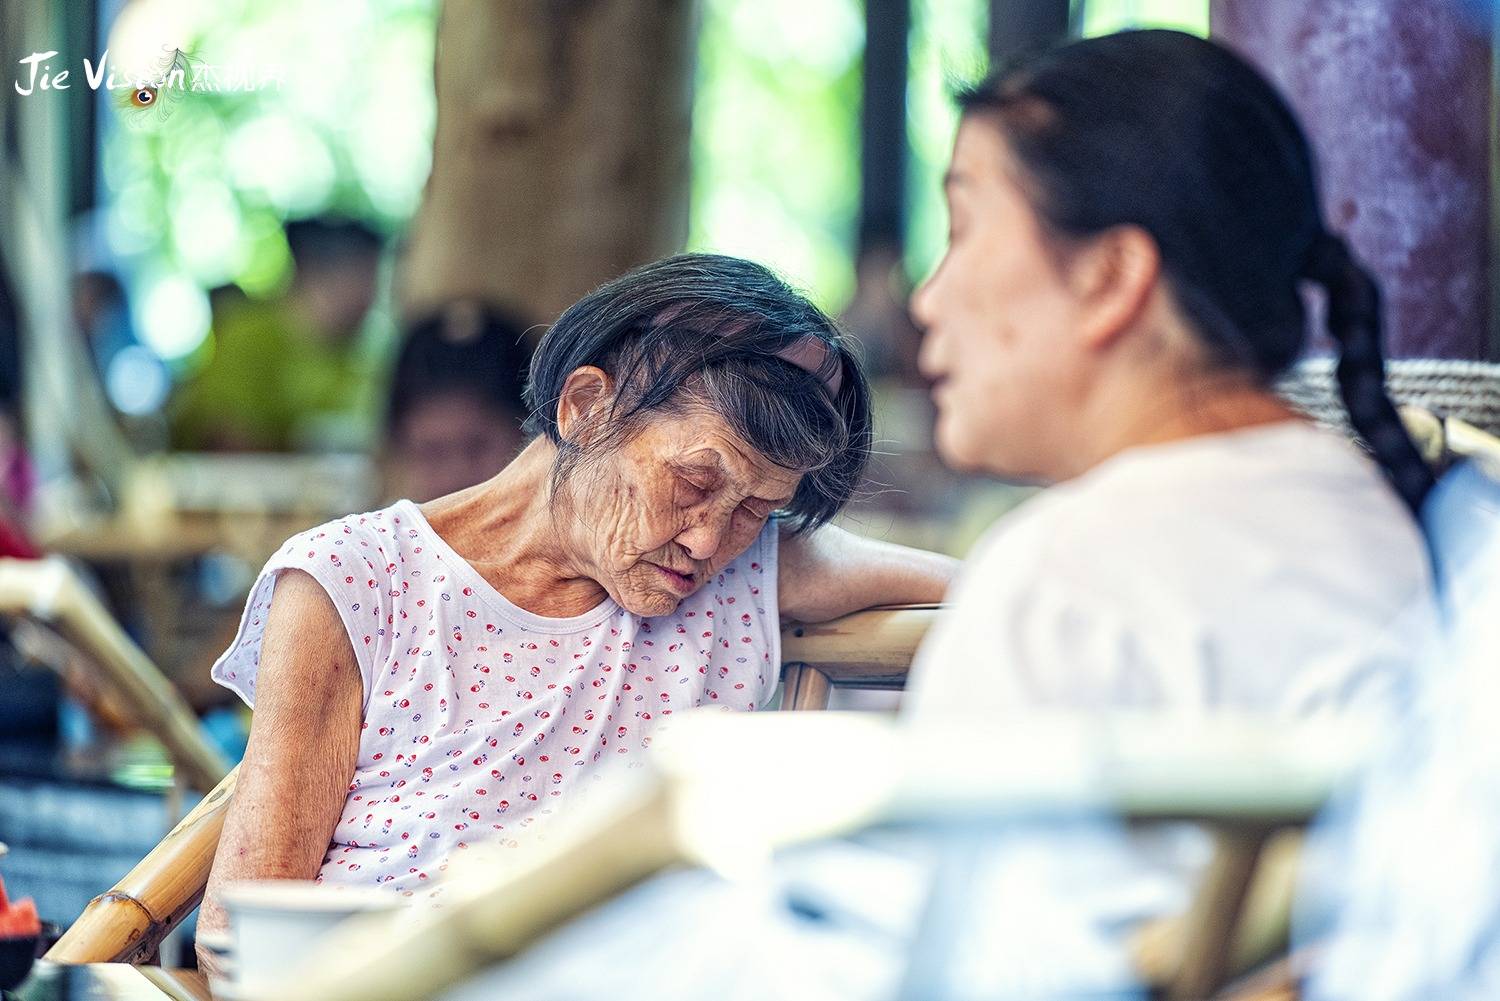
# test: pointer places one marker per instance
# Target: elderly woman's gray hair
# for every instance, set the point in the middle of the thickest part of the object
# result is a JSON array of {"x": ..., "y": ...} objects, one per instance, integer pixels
[{"x": 726, "y": 335}]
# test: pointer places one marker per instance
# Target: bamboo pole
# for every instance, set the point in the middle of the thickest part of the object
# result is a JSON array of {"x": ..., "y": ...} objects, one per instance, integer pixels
[
  {"x": 1426, "y": 431},
  {"x": 48, "y": 591},
  {"x": 126, "y": 924},
  {"x": 1444, "y": 439},
  {"x": 1469, "y": 442},
  {"x": 805, "y": 688},
  {"x": 757, "y": 781},
  {"x": 1214, "y": 917},
  {"x": 178, "y": 985}
]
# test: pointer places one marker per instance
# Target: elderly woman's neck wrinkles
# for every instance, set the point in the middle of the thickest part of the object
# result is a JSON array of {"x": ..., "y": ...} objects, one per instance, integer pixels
[{"x": 509, "y": 530}]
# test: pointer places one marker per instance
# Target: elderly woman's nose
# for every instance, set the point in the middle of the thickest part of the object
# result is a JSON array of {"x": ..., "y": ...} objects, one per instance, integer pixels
[{"x": 702, "y": 539}]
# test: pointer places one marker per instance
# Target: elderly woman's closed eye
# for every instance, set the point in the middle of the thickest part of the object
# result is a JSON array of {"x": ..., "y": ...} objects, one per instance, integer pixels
[{"x": 430, "y": 677}]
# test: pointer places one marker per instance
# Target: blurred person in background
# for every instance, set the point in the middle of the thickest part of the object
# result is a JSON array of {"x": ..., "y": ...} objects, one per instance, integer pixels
[
  {"x": 283, "y": 371},
  {"x": 28, "y": 695},
  {"x": 456, "y": 402},
  {"x": 102, "y": 314},
  {"x": 18, "y": 479}
]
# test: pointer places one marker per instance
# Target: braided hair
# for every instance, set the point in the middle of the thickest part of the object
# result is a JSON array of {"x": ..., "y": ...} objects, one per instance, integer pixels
[
  {"x": 1354, "y": 321},
  {"x": 1182, "y": 138}
]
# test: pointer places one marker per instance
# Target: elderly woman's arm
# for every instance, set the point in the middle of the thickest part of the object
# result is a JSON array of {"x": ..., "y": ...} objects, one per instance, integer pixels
[
  {"x": 829, "y": 572},
  {"x": 304, "y": 742}
]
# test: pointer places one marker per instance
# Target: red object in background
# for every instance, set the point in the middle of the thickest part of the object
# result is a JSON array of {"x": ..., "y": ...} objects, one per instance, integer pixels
[
  {"x": 13, "y": 543},
  {"x": 18, "y": 490},
  {"x": 18, "y": 919}
]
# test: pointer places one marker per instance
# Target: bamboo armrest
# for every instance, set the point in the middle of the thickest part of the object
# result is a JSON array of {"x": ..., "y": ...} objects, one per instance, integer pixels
[
  {"x": 1467, "y": 441},
  {"x": 50, "y": 592},
  {"x": 127, "y": 924},
  {"x": 868, "y": 649}
]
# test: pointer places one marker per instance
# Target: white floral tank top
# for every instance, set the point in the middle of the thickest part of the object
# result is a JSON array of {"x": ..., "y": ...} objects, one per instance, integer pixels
[{"x": 481, "y": 718}]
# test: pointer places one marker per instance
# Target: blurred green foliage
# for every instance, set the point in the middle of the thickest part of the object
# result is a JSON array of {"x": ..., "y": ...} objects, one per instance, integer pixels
[
  {"x": 197, "y": 199},
  {"x": 776, "y": 140}
]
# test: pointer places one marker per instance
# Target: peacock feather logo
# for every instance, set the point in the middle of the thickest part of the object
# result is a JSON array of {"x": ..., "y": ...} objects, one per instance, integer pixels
[{"x": 155, "y": 94}]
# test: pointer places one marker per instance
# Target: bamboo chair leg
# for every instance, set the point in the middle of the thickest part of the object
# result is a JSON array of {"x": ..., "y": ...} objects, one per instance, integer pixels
[
  {"x": 1282, "y": 981},
  {"x": 1215, "y": 914},
  {"x": 805, "y": 688}
]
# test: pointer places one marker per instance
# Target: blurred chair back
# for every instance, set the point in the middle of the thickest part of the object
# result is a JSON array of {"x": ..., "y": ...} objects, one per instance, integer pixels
[{"x": 49, "y": 592}]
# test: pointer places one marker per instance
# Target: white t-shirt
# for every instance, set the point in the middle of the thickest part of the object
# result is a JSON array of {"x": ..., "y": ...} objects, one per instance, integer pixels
[
  {"x": 1266, "y": 570},
  {"x": 481, "y": 717}
]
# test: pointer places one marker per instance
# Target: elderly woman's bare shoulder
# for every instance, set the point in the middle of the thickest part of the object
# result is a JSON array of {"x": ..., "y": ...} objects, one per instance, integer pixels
[{"x": 306, "y": 651}]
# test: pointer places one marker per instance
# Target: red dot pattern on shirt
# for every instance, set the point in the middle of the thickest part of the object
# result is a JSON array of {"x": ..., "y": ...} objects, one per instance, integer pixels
[{"x": 479, "y": 726}]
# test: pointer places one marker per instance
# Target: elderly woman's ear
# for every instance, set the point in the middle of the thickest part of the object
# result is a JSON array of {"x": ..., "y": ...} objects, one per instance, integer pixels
[{"x": 585, "y": 393}]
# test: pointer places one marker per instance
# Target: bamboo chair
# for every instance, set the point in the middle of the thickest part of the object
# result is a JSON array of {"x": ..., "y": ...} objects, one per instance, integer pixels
[
  {"x": 126, "y": 924},
  {"x": 49, "y": 592}
]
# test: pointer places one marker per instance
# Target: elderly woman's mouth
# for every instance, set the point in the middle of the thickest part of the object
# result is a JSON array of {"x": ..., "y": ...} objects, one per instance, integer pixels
[{"x": 682, "y": 583}]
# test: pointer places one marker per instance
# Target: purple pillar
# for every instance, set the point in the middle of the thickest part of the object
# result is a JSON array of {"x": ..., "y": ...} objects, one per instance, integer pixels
[{"x": 1396, "y": 97}]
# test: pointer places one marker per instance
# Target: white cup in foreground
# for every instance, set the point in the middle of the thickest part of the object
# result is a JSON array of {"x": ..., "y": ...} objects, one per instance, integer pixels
[{"x": 275, "y": 923}]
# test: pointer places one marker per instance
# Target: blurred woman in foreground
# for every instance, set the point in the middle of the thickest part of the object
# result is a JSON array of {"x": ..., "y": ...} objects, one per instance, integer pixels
[{"x": 1134, "y": 219}]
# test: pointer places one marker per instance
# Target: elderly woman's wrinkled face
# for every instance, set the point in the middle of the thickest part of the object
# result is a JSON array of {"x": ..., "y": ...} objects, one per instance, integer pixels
[{"x": 673, "y": 507}]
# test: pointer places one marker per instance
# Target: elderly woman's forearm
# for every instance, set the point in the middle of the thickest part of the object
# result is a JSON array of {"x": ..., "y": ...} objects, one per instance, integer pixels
[
  {"x": 897, "y": 575},
  {"x": 284, "y": 811},
  {"x": 831, "y": 572}
]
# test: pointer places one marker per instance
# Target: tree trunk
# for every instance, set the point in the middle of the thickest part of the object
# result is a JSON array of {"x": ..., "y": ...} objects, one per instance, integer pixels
[{"x": 561, "y": 153}]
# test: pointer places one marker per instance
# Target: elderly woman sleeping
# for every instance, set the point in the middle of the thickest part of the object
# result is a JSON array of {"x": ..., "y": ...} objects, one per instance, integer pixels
[{"x": 430, "y": 677}]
